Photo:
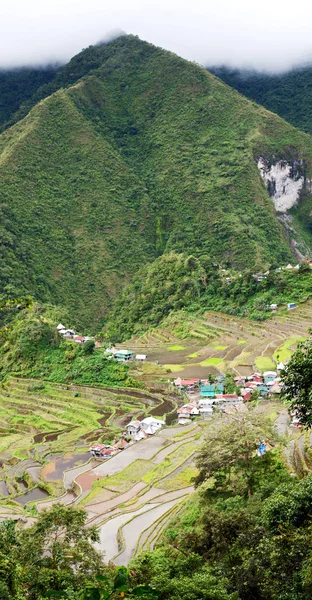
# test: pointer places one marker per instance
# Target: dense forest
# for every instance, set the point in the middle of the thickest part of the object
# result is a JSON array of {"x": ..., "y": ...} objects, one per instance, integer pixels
[
  {"x": 18, "y": 85},
  {"x": 175, "y": 281},
  {"x": 145, "y": 154},
  {"x": 287, "y": 94}
]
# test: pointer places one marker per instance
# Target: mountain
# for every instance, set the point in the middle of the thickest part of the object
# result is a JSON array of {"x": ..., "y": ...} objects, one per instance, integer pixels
[
  {"x": 145, "y": 154},
  {"x": 18, "y": 85},
  {"x": 288, "y": 94}
]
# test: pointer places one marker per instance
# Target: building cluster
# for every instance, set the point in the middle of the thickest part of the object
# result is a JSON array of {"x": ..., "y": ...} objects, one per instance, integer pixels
[
  {"x": 139, "y": 430},
  {"x": 70, "y": 334},
  {"x": 135, "y": 431},
  {"x": 205, "y": 397}
]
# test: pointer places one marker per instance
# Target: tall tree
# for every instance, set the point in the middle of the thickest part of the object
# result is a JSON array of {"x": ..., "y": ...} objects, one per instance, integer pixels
[
  {"x": 57, "y": 552},
  {"x": 297, "y": 378},
  {"x": 229, "y": 451}
]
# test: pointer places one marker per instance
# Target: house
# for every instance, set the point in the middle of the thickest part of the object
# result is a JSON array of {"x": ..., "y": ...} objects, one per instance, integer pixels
[
  {"x": 211, "y": 390},
  {"x": 206, "y": 407},
  {"x": 103, "y": 451},
  {"x": 140, "y": 357},
  {"x": 150, "y": 425},
  {"x": 67, "y": 333},
  {"x": 186, "y": 412},
  {"x": 61, "y": 327},
  {"x": 226, "y": 400},
  {"x": 124, "y": 355},
  {"x": 246, "y": 395},
  {"x": 276, "y": 388},
  {"x": 141, "y": 435},
  {"x": 122, "y": 444},
  {"x": 263, "y": 389},
  {"x": 187, "y": 385},
  {"x": 273, "y": 306},
  {"x": 79, "y": 339},
  {"x": 280, "y": 366},
  {"x": 291, "y": 305},
  {"x": 271, "y": 374},
  {"x": 133, "y": 428}
]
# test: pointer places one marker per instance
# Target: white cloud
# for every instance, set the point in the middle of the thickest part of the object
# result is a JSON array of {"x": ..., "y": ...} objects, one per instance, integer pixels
[{"x": 266, "y": 34}]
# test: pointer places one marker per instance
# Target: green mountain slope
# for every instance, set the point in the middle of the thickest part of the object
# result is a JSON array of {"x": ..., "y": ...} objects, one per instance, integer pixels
[
  {"x": 147, "y": 154},
  {"x": 18, "y": 85},
  {"x": 287, "y": 94},
  {"x": 72, "y": 229}
]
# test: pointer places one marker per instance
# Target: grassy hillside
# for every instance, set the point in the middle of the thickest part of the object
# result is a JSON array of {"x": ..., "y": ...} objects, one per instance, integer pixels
[
  {"x": 287, "y": 94},
  {"x": 147, "y": 154}
]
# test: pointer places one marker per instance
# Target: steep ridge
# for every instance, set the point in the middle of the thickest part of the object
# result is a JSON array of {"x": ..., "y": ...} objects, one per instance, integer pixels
[{"x": 146, "y": 154}]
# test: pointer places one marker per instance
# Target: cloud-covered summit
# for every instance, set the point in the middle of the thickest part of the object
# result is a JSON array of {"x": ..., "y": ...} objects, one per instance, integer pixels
[{"x": 262, "y": 35}]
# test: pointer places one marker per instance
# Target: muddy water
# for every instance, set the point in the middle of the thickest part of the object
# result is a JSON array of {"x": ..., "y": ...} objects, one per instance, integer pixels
[
  {"x": 164, "y": 408},
  {"x": 48, "y": 436},
  {"x": 108, "y": 534},
  {"x": 103, "y": 419},
  {"x": 69, "y": 461},
  {"x": 31, "y": 496}
]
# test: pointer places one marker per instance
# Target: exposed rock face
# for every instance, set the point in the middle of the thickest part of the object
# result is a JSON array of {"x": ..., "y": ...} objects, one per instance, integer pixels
[{"x": 284, "y": 182}]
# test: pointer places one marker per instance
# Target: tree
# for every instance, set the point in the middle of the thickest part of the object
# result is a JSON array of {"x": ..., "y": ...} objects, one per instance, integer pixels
[
  {"x": 107, "y": 589},
  {"x": 297, "y": 378},
  {"x": 88, "y": 347},
  {"x": 57, "y": 551},
  {"x": 180, "y": 576},
  {"x": 229, "y": 451}
]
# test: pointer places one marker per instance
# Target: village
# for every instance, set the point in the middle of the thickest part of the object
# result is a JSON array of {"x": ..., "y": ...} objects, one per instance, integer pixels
[
  {"x": 201, "y": 397},
  {"x": 204, "y": 398}
]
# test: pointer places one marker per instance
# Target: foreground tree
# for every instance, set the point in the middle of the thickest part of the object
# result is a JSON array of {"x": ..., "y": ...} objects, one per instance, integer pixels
[
  {"x": 57, "y": 552},
  {"x": 297, "y": 378},
  {"x": 229, "y": 453}
]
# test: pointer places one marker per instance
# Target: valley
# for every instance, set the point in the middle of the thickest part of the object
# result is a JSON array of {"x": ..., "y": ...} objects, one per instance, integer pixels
[{"x": 48, "y": 428}]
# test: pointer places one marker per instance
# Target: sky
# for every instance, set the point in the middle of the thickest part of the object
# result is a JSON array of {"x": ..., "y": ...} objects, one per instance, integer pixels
[{"x": 271, "y": 35}]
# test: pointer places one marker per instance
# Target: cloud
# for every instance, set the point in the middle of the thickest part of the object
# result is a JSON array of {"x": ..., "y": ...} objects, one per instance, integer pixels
[{"x": 271, "y": 34}]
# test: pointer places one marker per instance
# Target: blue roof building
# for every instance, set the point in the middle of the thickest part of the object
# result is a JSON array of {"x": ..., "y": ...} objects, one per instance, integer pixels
[{"x": 210, "y": 391}]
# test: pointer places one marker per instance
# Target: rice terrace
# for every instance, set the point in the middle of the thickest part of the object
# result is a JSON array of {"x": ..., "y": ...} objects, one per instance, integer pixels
[{"x": 47, "y": 428}]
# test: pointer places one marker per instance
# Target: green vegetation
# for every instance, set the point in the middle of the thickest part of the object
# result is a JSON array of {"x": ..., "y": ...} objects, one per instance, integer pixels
[
  {"x": 32, "y": 347},
  {"x": 284, "y": 352},
  {"x": 288, "y": 94},
  {"x": 124, "y": 480},
  {"x": 263, "y": 363},
  {"x": 210, "y": 362},
  {"x": 103, "y": 176},
  {"x": 174, "y": 281},
  {"x": 18, "y": 85},
  {"x": 176, "y": 347},
  {"x": 248, "y": 524},
  {"x": 297, "y": 379}
]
